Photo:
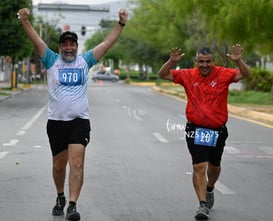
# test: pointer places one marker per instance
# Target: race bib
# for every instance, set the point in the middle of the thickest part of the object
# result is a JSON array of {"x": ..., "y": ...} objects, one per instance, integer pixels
[
  {"x": 206, "y": 137},
  {"x": 70, "y": 76}
]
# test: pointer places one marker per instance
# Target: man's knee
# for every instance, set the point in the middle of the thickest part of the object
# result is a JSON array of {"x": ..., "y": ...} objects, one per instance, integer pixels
[{"x": 200, "y": 167}]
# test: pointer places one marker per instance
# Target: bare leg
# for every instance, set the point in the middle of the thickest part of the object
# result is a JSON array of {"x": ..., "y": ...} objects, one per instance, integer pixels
[
  {"x": 59, "y": 170},
  {"x": 213, "y": 174},
  {"x": 200, "y": 180},
  {"x": 76, "y": 162}
]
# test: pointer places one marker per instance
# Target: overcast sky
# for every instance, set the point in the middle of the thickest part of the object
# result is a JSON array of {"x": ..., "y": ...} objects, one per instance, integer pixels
[{"x": 88, "y": 2}]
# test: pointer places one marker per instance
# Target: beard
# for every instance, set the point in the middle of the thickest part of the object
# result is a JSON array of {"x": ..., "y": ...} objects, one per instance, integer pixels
[{"x": 68, "y": 58}]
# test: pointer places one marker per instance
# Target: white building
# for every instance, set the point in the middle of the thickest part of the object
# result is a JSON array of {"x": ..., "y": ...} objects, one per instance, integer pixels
[{"x": 73, "y": 17}]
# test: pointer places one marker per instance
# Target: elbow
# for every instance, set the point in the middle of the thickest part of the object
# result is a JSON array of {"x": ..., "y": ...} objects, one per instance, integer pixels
[
  {"x": 247, "y": 74},
  {"x": 165, "y": 76},
  {"x": 161, "y": 74}
]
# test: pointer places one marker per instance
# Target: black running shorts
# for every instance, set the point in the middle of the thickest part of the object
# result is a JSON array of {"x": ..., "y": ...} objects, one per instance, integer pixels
[
  {"x": 62, "y": 133},
  {"x": 200, "y": 153}
]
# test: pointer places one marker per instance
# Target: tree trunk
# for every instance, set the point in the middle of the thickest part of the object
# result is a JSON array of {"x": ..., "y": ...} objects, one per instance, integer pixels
[
  {"x": 272, "y": 91},
  {"x": 13, "y": 76}
]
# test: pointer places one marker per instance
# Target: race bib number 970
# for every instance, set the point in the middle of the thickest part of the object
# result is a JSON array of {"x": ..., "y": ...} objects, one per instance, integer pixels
[
  {"x": 70, "y": 76},
  {"x": 206, "y": 137}
]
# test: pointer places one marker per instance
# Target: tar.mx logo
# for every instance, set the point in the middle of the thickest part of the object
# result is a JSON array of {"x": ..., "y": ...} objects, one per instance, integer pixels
[
  {"x": 180, "y": 129},
  {"x": 172, "y": 126}
]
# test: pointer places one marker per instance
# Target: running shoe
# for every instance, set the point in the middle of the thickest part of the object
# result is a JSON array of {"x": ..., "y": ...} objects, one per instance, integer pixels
[
  {"x": 72, "y": 213},
  {"x": 210, "y": 199},
  {"x": 202, "y": 213},
  {"x": 58, "y": 209}
]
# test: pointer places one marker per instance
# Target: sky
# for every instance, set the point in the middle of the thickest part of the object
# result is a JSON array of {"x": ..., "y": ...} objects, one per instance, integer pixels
[{"x": 88, "y": 2}]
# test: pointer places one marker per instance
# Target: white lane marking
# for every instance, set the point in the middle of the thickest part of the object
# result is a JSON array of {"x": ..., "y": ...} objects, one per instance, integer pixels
[
  {"x": 231, "y": 150},
  {"x": 33, "y": 119},
  {"x": 248, "y": 156},
  {"x": 3, "y": 154},
  {"x": 20, "y": 133},
  {"x": 219, "y": 186},
  {"x": 160, "y": 137},
  {"x": 224, "y": 189},
  {"x": 11, "y": 143},
  {"x": 137, "y": 117}
]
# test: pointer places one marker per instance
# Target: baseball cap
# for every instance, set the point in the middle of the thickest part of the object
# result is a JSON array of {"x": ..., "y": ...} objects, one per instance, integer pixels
[{"x": 68, "y": 35}]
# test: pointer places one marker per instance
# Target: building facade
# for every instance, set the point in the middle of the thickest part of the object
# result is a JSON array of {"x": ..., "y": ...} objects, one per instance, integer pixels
[
  {"x": 82, "y": 19},
  {"x": 73, "y": 17}
]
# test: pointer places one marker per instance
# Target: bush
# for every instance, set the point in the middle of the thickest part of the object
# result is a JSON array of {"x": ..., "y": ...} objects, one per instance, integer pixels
[
  {"x": 137, "y": 76},
  {"x": 127, "y": 80},
  {"x": 260, "y": 80},
  {"x": 249, "y": 97}
]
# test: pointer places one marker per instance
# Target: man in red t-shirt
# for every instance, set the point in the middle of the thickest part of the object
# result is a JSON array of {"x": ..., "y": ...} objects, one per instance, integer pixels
[{"x": 206, "y": 87}]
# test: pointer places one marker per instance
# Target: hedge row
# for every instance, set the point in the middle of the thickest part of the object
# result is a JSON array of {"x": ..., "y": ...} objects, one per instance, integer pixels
[{"x": 260, "y": 80}]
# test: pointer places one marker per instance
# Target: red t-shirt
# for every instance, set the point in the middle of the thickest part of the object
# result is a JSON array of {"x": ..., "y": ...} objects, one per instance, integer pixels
[{"x": 206, "y": 96}]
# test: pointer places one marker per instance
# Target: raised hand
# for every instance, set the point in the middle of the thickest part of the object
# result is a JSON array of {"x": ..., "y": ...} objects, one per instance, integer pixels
[
  {"x": 176, "y": 54},
  {"x": 236, "y": 52},
  {"x": 123, "y": 15},
  {"x": 23, "y": 14}
]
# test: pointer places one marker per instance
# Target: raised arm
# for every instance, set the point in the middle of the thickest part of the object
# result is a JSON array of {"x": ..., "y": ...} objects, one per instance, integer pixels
[
  {"x": 175, "y": 56},
  {"x": 100, "y": 50},
  {"x": 36, "y": 40},
  {"x": 235, "y": 56}
]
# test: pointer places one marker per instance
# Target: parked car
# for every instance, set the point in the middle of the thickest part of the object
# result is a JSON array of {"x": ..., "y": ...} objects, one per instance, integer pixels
[{"x": 104, "y": 75}]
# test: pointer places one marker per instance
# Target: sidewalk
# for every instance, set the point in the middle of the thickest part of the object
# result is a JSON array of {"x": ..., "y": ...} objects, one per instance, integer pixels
[
  {"x": 6, "y": 94},
  {"x": 261, "y": 114}
]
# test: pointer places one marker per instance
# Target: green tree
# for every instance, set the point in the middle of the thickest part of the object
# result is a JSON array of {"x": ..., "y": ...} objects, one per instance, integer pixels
[
  {"x": 49, "y": 34},
  {"x": 160, "y": 25},
  {"x": 234, "y": 21},
  {"x": 114, "y": 53},
  {"x": 248, "y": 22},
  {"x": 157, "y": 25},
  {"x": 48, "y": 31},
  {"x": 13, "y": 41}
]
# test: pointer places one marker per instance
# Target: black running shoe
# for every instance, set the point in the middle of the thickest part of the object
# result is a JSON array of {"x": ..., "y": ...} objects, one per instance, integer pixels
[
  {"x": 202, "y": 213},
  {"x": 72, "y": 213},
  {"x": 58, "y": 209},
  {"x": 210, "y": 199}
]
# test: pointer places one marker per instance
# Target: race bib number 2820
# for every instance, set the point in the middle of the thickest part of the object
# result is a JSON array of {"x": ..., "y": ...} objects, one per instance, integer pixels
[
  {"x": 71, "y": 76},
  {"x": 206, "y": 137}
]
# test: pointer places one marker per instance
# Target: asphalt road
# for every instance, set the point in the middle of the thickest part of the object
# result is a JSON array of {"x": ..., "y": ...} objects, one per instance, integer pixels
[{"x": 137, "y": 165}]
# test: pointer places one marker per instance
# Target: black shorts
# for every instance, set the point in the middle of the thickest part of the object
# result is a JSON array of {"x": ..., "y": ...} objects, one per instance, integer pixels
[
  {"x": 62, "y": 133},
  {"x": 201, "y": 153}
]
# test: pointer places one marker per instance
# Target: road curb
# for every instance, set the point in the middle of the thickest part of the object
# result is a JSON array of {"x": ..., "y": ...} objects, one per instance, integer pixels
[
  {"x": 238, "y": 111},
  {"x": 254, "y": 115},
  {"x": 14, "y": 93}
]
